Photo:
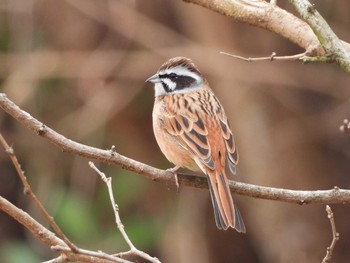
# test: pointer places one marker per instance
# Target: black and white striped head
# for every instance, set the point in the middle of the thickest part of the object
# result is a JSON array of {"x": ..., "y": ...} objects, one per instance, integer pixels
[{"x": 177, "y": 75}]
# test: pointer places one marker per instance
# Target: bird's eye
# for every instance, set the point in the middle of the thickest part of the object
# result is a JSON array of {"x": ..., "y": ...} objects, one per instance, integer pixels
[{"x": 172, "y": 76}]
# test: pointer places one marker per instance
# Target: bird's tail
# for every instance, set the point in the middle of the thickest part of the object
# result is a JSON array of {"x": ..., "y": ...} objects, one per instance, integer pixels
[{"x": 225, "y": 210}]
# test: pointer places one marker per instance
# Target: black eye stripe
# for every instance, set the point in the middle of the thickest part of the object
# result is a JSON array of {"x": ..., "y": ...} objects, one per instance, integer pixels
[
  {"x": 171, "y": 76},
  {"x": 181, "y": 81}
]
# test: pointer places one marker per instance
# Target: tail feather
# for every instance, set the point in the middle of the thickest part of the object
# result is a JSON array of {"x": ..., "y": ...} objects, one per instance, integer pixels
[
  {"x": 225, "y": 210},
  {"x": 219, "y": 220},
  {"x": 239, "y": 224},
  {"x": 225, "y": 195}
]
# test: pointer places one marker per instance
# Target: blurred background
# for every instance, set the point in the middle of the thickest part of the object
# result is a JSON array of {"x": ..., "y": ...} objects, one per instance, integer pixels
[{"x": 80, "y": 66}]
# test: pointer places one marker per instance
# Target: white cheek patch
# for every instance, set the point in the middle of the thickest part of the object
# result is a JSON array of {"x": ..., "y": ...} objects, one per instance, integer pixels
[{"x": 159, "y": 89}]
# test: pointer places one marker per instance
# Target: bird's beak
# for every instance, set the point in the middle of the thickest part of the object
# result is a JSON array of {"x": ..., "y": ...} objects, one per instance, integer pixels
[{"x": 153, "y": 79}]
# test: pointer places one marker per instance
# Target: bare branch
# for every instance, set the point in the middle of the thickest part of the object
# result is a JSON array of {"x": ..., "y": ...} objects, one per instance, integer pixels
[
  {"x": 28, "y": 191},
  {"x": 314, "y": 35},
  {"x": 33, "y": 226},
  {"x": 333, "y": 196},
  {"x": 133, "y": 250},
  {"x": 267, "y": 16},
  {"x": 49, "y": 238},
  {"x": 272, "y": 57},
  {"x": 328, "y": 39},
  {"x": 335, "y": 236},
  {"x": 72, "y": 253}
]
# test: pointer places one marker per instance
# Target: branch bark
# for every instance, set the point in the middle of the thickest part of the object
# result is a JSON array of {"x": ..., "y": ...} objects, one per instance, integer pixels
[
  {"x": 43, "y": 234},
  {"x": 314, "y": 35},
  {"x": 328, "y": 39},
  {"x": 335, "y": 236},
  {"x": 267, "y": 16},
  {"x": 332, "y": 196}
]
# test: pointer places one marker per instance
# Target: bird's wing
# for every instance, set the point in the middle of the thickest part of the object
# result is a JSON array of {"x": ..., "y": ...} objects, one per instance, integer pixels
[
  {"x": 192, "y": 135},
  {"x": 185, "y": 119}
]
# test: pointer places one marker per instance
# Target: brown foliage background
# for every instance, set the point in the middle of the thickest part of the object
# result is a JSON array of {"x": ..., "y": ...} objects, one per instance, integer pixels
[{"x": 80, "y": 66}]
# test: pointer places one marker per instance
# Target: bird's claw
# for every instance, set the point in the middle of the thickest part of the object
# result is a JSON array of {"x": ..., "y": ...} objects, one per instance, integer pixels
[{"x": 174, "y": 171}]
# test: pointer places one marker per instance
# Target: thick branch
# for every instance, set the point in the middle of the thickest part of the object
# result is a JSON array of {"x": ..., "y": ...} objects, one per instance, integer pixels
[
  {"x": 333, "y": 196},
  {"x": 314, "y": 35},
  {"x": 267, "y": 16}
]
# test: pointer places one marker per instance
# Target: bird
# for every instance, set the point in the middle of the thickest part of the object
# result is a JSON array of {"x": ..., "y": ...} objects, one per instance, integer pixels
[{"x": 193, "y": 132}]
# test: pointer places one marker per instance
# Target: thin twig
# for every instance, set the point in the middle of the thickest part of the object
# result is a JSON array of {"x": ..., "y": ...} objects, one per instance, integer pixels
[
  {"x": 28, "y": 191},
  {"x": 272, "y": 57},
  {"x": 49, "y": 238},
  {"x": 74, "y": 251},
  {"x": 332, "y": 196},
  {"x": 133, "y": 250},
  {"x": 335, "y": 236}
]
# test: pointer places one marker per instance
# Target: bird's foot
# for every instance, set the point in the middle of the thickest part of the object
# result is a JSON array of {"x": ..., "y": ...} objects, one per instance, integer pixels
[{"x": 174, "y": 171}]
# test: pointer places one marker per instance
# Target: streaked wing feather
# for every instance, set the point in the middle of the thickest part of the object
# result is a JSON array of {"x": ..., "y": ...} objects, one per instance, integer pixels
[
  {"x": 192, "y": 134},
  {"x": 232, "y": 155}
]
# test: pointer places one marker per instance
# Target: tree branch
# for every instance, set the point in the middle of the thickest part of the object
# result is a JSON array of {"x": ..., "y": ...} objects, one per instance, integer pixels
[
  {"x": 335, "y": 236},
  {"x": 133, "y": 250},
  {"x": 267, "y": 16},
  {"x": 33, "y": 226},
  {"x": 328, "y": 39},
  {"x": 69, "y": 252},
  {"x": 28, "y": 191},
  {"x": 302, "y": 56},
  {"x": 47, "y": 237},
  {"x": 314, "y": 35},
  {"x": 333, "y": 196}
]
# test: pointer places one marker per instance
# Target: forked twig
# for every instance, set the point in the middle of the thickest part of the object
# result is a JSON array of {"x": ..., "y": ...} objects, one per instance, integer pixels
[
  {"x": 28, "y": 191},
  {"x": 73, "y": 252},
  {"x": 272, "y": 57},
  {"x": 335, "y": 235},
  {"x": 133, "y": 250}
]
